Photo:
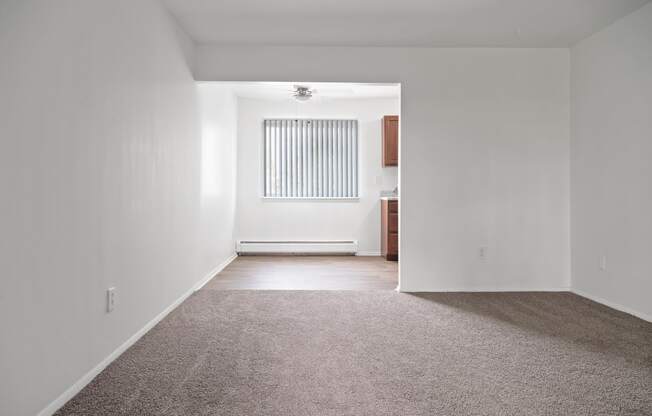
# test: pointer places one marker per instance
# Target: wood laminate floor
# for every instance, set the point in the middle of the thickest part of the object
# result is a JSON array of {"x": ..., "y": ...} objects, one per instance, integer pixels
[{"x": 307, "y": 273}]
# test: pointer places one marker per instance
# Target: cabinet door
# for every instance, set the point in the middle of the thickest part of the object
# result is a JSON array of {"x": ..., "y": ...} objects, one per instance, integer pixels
[
  {"x": 390, "y": 141},
  {"x": 392, "y": 246}
]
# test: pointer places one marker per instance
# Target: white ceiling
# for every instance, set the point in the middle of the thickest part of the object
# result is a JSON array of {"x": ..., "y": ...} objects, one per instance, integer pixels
[
  {"x": 507, "y": 23},
  {"x": 323, "y": 90}
]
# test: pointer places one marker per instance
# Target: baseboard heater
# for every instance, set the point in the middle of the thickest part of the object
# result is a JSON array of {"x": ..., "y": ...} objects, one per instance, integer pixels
[{"x": 344, "y": 247}]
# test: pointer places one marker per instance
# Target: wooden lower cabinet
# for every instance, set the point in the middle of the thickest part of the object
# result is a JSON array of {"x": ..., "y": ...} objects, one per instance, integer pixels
[{"x": 389, "y": 229}]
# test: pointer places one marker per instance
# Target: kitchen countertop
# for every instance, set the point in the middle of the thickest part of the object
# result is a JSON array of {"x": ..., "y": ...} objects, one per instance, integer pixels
[{"x": 389, "y": 198}]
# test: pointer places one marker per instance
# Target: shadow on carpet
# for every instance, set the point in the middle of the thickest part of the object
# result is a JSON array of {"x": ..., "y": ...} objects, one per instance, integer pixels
[{"x": 380, "y": 353}]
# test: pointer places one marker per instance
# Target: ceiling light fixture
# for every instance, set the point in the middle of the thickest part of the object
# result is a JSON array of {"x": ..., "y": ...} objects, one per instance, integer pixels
[{"x": 302, "y": 93}]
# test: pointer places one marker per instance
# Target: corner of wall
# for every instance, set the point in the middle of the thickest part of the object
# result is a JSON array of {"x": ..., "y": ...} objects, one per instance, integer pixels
[
  {"x": 185, "y": 42},
  {"x": 608, "y": 73}
]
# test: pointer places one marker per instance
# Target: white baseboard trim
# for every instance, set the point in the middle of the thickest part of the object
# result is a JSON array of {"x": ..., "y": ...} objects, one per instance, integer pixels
[
  {"x": 368, "y": 253},
  {"x": 488, "y": 289},
  {"x": 613, "y": 305},
  {"x": 88, "y": 377},
  {"x": 297, "y": 247}
]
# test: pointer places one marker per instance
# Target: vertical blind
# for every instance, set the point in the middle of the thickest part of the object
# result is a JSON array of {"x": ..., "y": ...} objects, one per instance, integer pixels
[{"x": 311, "y": 158}]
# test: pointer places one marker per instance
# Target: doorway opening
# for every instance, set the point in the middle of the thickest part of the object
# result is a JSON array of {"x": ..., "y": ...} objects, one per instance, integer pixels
[{"x": 315, "y": 189}]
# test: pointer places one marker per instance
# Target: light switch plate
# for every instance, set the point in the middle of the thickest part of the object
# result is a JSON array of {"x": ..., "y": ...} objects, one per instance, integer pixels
[
  {"x": 603, "y": 263},
  {"x": 110, "y": 299}
]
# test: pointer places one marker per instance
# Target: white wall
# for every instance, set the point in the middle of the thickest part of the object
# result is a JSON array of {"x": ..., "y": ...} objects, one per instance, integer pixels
[
  {"x": 484, "y": 153},
  {"x": 219, "y": 117},
  {"x": 611, "y": 179},
  {"x": 260, "y": 219},
  {"x": 100, "y": 157}
]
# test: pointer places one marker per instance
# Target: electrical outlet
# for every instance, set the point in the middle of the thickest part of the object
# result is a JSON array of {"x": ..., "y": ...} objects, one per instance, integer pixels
[
  {"x": 110, "y": 299},
  {"x": 603, "y": 263},
  {"x": 483, "y": 253}
]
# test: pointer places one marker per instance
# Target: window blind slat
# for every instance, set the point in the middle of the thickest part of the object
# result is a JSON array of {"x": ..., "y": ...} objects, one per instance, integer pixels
[
  {"x": 320, "y": 163},
  {"x": 306, "y": 172},
  {"x": 283, "y": 146},
  {"x": 267, "y": 173},
  {"x": 355, "y": 159},
  {"x": 332, "y": 151}
]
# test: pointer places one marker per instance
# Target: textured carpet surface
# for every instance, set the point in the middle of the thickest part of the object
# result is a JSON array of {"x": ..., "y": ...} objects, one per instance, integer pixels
[{"x": 380, "y": 353}]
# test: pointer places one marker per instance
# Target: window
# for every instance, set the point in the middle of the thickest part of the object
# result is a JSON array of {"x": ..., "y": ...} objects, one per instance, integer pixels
[{"x": 311, "y": 159}]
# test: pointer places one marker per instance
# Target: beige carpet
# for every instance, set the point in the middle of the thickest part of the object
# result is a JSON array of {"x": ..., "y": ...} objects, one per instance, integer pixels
[{"x": 381, "y": 353}]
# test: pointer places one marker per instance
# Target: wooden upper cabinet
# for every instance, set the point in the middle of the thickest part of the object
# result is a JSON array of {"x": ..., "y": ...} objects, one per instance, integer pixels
[{"x": 390, "y": 141}]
